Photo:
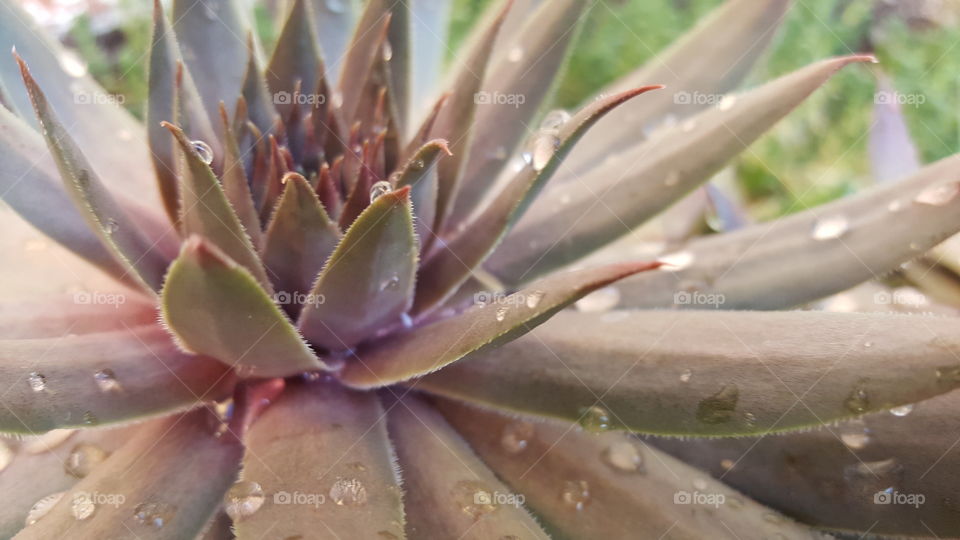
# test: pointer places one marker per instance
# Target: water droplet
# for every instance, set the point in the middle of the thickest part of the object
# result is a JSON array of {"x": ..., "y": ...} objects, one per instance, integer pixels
[
  {"x": 45, "y": 442},
  {"x": 533, "y": 299},
  {"x": 392, "y": 283},
  {"x": 727, "y": 464},
  {"x": 623, "y": 456},
  {"x": 728, "y": 102},
  {"x": 348, "y": 492},
  {"x": 111, "y": 226},
  {"x": 857, "y": 401},
  {"x": 42, "y": 507},
  {"x": 516, "y": 436},
  {"x": 555, "y": 119},
  {"x": 72, "y": 64},
  {"x": 387, "y": 51},
  {"x": 474, "y": 498},
  {"x": 243, "y": 499},
  {"x": 90, "y": 419},
  {"x": 544, "y": 146},
  {"x": 675, "y": 262},
  {"x": 153, "y": 514},
  {"x": 685, "y": 376},
  {"x": 334, "y": 6},
  {"x": 938, "y": 195},
  {"x": 82, "y": 459},
  {"x": 719, "y": 407},
  {"x": 599, "y": 301},
  {"x": 830, "y": 228},
  {"x": 575, "y": 494},
  {"x": 515, "y": 54},
  {"x": 895, "y": 206},
  {"x": 337, "y": 99},
  {"x": 595, "y": 419},
  {"x": 854, "y": 434},
  {"x": 203, "y": 150},
  {"x": 106, "y": 380},
  {"x": 37, "y": 381},
  {"x": 82, "y": 506},
  {"x": 501, "y": 313},
  {"x": 902, "y": 410},
  {"x": 949, "y": 374},
  {"x": 378, "y": 189}
]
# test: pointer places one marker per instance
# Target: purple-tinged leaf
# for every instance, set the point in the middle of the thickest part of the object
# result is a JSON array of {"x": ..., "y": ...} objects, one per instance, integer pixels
[
  {"x": 55, "y": 316},
  {"x": 420, "y": 173},
  {"x": 296, "y": 58},
  {"x": 892, "y": 153},
  {"x": 236, "y": 188},
  {"x": 335, "y": 21}
]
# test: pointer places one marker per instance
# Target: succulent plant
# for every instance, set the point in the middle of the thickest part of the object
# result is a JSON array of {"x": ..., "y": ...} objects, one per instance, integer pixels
[{"x": 364, "y": 277}]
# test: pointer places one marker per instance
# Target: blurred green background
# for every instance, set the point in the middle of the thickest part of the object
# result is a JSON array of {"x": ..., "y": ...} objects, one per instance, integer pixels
[{"x": 817, "y": 154}]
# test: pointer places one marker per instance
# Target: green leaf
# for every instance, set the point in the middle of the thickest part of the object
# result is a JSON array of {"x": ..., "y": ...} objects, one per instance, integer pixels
[
  {"x": 52, "y": 317},
  {"x": 38, "y": 469},
  {"x": 832, "y": 485},
  {"x": 296, "y": 57},
  {"x": 633, "y": 186},
  {"x": 367, "y": 284},
  {"x": 814, "y": 253},
  {"x": 528, "y": 71},
  {"x": 175, "y": 465},
  {"x": 445, "y": 483},
  {"x": 161, "y": 106},
  {"x": 407, "y": 355},
  {"x": 711, "y": 60},
  {"x": 710, "y": 373},
  {"x": 340, "y": 437},
  {"x": 420, "y": 173},
  {"x": 584, "y": 485},
  {"x": 334, "y": 21},
  {"x": 236, "y": 188},
  {"x": 142, "y": 261},
  {"x": 151, "y": 377},
  {"x": 300, "y": 237},
  {"x": 261, "y": 105},
  {"x": 453, "y": 261},
  {"x": 216, "y": 308},
  {"x": 205, "y": 210}
]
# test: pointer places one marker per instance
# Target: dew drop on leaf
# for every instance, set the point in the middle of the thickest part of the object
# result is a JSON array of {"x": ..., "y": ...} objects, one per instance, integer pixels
[
  {"x": 858, "y": 401},
  {"x": 854, "y": 434},
  {"x": 501, "y": 313},
  {"x": 473, "y": 498},
  {"x": 533, "y": 299},
  {"x": 153, "y": 514},
  {"x": 623, "y": 456},
  {"x": 949, "y": 374},
  {"x": 595, "y": 419},
  {"x": 111, "y": 226},
  {"x": 42, "y": 507},
  {"x": 390, "y": 283},
  {"x": 106, "y": 380},
  {"x": 830, "y": 228},
  {"x": 348, "y": 492},
  {"x": 203, "y": 150},
  {"x": 544, "y": 147},
  {"x": 938, "y": 195},
  {"x": 516, "y": 436},
  {"x": 555, "y": 119},
  {"x": 82, "y": 506},
  {"x": 575, "y": 494},
  {"x": 82, "y": 459},
  {"x": 686, "y": 375},
  {"x": 379, "y": 189},
  {"x": 727, "y": 464},
  {"x": 37, "y": 381},
  {"x": 387, "y": 51},
  {"x": 243, "y": 499},
  {"x": 90, "y": 419},
  {"x": 902, "y": 410},
  {"x": 599, "y": 301},
  {"x": 719, "y": 407}
]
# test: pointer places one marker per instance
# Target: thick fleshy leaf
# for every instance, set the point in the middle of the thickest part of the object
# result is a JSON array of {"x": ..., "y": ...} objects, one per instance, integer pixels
[
  {"x": 892, "y": 153},
  {"x": 575, "y": 218},
  {"x": 141, "y": 259},
  {"x": 408, "y": 355},
  {"x": 56, "y": 316},
  {"x": 261, "y": 105},
  {"x": 711, "y": 373},
  {"x": 335, "y": 21},
  {"x": 102, "y": 378},
  {"x": 215, "y": 307},
  {"x": 585, "y": 485},
  {"x": 711, "y": 60},
  {"x": 236, "y": 188},
  {"x": 455, "y": 121},
  {"x": 154, "y": 476},
  {"x": 516, "y": 86},
  {"x": 296, "y": 58},
  {"x": 448, "y": 491},
  {"x": 366, "y": 48},
  {"x": 367, "y": 284},
  {"x": 815, "y": 253},
  {"x": 205, "y": 210},
  {"x": 430, "y": 20},
  {"x": 42, "y": 466},
  {"x": 455, "y": 258},
  {"x": 909, "y": 458},
  {"x": 352, "y": 489},
  {"x": 420, "y": 173},
  {"x": 212, "y": 37},
  {"x": 300, "y": 238}
]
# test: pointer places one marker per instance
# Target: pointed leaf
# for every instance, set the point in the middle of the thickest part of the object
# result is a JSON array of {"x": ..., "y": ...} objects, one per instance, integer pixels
[
  {"x": 339, "y": 436},
  {"x": 444, "y": 482},
  {"x": 365, "y": 49},
  {"x": 420, "y": 173},
  {"x": 56, "y": 316},
  {"x": 710, "y": 373},
  {"x": 207, "y": 212},
  {"x": 815, "y": 253},
  {"x": 236, "y": 188},
  {"x": 151, "y": 377},
  {"x": 454, "y": 260},
  {"x": 261, "y": 104},
  {"x": 159, "y": 466},
  {"x": 637, "y": 184},
  {"x": 892, "y": 153},
  {"x": 367, "y": 284},
  {"x": 142, "y": 262},
  {"x": 216, "y": 307},
  {"x": 335, "y": 20},
  {"x": 404, "y": 356},
  {"x": 821, "y": 480},
  {"x": 539, "y": 51},
  {"x": 300, "y": 237},
  {"x": 711, "y": 60},
  {"x": 296, "y": 57},
  {"x": 584, "y": 485}
]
